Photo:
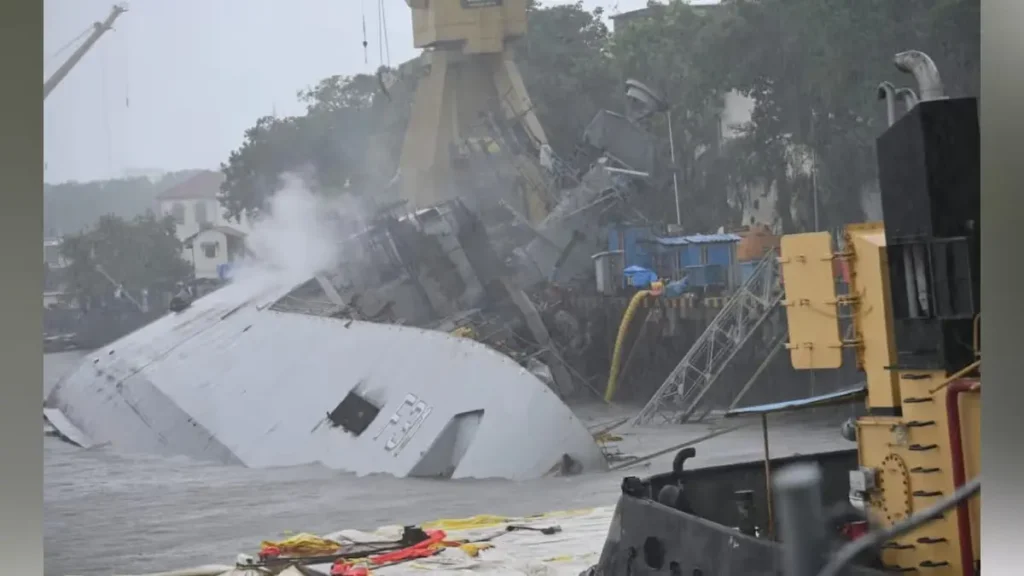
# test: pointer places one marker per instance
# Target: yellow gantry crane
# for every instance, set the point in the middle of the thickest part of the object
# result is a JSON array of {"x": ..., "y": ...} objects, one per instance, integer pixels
[{"x": 470, "y": 78}]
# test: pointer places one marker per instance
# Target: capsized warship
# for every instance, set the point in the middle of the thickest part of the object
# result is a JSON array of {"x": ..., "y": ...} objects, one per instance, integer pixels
[
  {"x": 420, "y": 354},
  {"x": 263, "y": 373}
]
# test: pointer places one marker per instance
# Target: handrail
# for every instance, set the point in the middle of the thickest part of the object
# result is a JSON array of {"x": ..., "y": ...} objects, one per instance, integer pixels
[{"x": 977, "y": 335}]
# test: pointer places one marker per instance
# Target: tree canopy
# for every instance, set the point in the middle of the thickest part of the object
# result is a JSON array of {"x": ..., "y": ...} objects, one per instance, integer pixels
[
  {"x": 348, "y": 140},
  {"x": 73, "y": 207},
  {"x": 568, "y": 70},
  {"x": 811, "y": 68},
  {"x": 138, "y": 254}
]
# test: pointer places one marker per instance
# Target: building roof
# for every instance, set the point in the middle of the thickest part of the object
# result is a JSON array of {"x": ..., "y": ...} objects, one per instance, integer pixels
[
  {"x": 225, "y": 230},
  {"x": 202, "y": 186},
  {"x": 698, "y": 239},
  {"x": 653, "y": 10},
  {"x": 639, "y": 12}
]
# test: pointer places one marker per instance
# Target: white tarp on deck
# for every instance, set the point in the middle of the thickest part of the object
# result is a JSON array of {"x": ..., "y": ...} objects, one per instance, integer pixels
[{"x": 522, "y": 550}]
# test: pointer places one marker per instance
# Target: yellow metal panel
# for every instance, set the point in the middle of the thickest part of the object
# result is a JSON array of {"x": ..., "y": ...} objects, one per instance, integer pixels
[
  {"x": 911, "y": 479},
  {"x": 479, "y": 29},
  {"x": 875, "y": 440},
  {"x": 425, "y": 161},
  {"x": 809, "y": 281},
  {"x": 872, "y": 313},
  {"x": 516, "y": 100}
]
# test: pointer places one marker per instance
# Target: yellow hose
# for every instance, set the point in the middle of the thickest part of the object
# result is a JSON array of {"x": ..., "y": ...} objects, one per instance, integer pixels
[{"x": 620, "y": 340}]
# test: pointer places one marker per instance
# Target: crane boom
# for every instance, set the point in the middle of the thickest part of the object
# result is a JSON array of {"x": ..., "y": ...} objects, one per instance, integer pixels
[{"x": 99, "y": 28}]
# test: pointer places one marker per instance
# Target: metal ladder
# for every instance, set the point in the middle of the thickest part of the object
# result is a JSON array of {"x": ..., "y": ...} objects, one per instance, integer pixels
[{"x": 747, "y": 309}]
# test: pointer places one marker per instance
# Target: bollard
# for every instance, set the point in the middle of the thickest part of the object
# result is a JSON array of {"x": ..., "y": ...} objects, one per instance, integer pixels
[{"x": 801, "y": 519}]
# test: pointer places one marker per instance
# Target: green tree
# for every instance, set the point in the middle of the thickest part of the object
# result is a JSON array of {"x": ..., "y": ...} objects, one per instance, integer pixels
[
  {"x": 349, "y": 139},
  {"x": 669, "y": 52},
  {"x": 813, "y": 66},
  {"x": 139, "y": 254},
  {"x": 568, "y": 70}
]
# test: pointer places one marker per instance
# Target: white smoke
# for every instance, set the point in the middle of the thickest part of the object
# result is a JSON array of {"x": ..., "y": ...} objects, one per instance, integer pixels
[{"x": 298, "y": 237}]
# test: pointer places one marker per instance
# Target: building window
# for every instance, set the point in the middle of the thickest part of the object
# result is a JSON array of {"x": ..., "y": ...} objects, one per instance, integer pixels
[
  {"x": 210, "y": 249},
  {"x": 51, "y": 255},
  {"x": 178, "y": 213},
  {"x": 201, "y": 216}
]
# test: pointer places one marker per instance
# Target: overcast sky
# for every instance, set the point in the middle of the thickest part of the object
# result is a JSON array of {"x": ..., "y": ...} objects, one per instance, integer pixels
[{"x": 177, "y": 82}]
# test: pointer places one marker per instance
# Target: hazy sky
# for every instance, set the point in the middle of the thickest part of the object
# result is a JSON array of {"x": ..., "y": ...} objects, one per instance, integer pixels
[{"x": 177, "y": 82}]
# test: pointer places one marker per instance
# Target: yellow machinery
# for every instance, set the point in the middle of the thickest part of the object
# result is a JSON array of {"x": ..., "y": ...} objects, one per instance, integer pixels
[
  {"x": 471, "y": 92},
  {"x": 913, "y": 305}
]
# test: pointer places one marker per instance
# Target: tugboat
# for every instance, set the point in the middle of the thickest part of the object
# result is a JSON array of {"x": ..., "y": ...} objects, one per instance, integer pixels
[{"x": 914, "y": 301}]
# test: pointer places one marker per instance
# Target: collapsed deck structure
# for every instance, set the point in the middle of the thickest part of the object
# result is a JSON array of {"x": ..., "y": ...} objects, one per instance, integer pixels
[
  {"x": 375, "y": 366},
  {"x": 234, "y": 380}
]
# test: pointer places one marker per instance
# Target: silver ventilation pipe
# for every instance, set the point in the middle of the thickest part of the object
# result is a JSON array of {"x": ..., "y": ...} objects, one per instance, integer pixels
[
  {"x": 929, "y": 83},
  {"x": 887, "y": 92},
  {"x": 908, "y": 97}
]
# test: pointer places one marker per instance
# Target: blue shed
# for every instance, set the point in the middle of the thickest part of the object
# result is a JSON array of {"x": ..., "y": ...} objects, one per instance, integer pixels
[
  {"x": 634, "y": 242},
  {"x": 707, "y": 260}
]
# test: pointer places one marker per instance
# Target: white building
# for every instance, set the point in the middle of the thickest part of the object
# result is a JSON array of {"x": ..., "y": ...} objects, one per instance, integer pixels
[
  {"x": 211, "y": 241},
  {"x": 53, "y": 288},
  {"x": 51, "y": 253}
]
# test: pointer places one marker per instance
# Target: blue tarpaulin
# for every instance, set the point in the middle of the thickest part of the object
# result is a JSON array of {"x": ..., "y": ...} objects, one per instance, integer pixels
[
  {"x": 677, "y": 288},
  {"x": 639, "y": 276},
  {"x": 224, "y": 271}
]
